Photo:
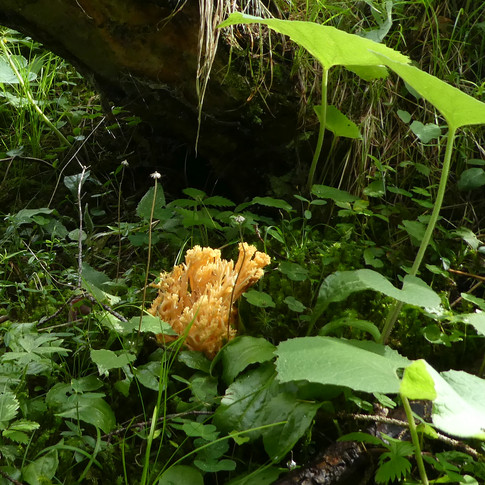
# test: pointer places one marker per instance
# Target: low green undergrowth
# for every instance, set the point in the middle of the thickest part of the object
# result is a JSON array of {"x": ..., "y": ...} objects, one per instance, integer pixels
[{"x": 372, "y": 300}]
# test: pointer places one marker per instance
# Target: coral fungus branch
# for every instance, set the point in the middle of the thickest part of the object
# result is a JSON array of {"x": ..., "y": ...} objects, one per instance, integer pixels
[{"x": 202, "y": 292}]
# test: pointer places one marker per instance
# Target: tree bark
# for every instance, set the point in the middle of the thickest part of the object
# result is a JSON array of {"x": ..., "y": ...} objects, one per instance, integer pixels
[{"x": 142, "y": 54}]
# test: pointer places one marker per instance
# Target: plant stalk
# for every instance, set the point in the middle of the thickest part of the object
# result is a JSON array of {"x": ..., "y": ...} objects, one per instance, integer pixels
[
  {"x": 396, "y": 308},
  {"x": 29, "y": 95},
  {"x": 415, "y": 439},
  {"x": 321, "y": 132},
  {"x": 155, "y": 176}
]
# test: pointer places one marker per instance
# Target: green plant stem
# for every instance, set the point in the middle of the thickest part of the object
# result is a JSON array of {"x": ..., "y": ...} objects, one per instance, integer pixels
[
  {"x": 149, "y": 257},
  {"x": 97, "y": 447},
  {"x": 29, "y": 95},
  {"x": 396, "y": 308},
  {"x": 415, "y": 440},
  {"x": 119, "y": 222},
  {"x": 151, "y": 434},
  {"x": 321, "y": 132}
]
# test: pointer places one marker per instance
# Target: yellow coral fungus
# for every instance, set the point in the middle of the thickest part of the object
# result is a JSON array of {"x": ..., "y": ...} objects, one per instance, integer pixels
[{"x": 202, "y": 292}]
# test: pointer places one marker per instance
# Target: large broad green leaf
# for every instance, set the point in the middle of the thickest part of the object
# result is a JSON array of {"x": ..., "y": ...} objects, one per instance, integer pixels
[
  {"x": 359, "y": 365},
  {"x": 298, "y": 414},
  {"x": 332, "y": 47},
  {"x": 458, "y": 108},
  {"x": 245, "y": 401},
  {"x": 459, "y": 408},
  {"x": 243, "y": 351},
  {"x": 340, "y": 285}
]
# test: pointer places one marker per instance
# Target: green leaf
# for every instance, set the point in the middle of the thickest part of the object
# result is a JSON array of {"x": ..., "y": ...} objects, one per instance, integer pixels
[
  {"x": 369, "y": 73},
  {"x": 7, "y": 74},
  {"x": 404, "y": 116},
  {"x": 468, "y": 236},
  {"x": 195, "y": 360},
  {"x": 91, "y": 410},
  {"x": 243, "y": 351},
  {"x": 393, "y": 469},
  {"x": 294, "y": 305},
  {"x": 359, "y": 365},
  {"x": 260, "y": 476},
  {"x": 340, "y": 285},
  {"x": 356, "y": 323},
  {"x": 24, "y": 425},
  {"x": 181, "y": 475},
  {"x": 372, "y": 255},
  {"x": 207, "y": 458},
  {"x": 472, "y": 178},
  {"x": 148, "y": 375},
  {"x": 75, "y": 182},
  {"x": 458, "y": 108},
  {"x": 376, "y": 188},
  {"x": 384, "y": 20},
  {"x": 459, "y": 408},
  {"x": 279, "y": 440},
  {"x": 415, "y": 229},
  {"x": 427, "y": 132},
  {"x": 294, "y": 271},
  {"x": 9, "y": 406},
  {"x": 194, "y": 429},
  {"x": 479, "y": 302},
  {"x": 218, "y": 201},
  {"x": 337, "y": 195},
  {"x": 477, "y": 320},
  {"x": 42, "y": 470},
  {"x": 196, "y": 194},
  {"x": 144, "y": 208},
  {"x": 271, "y": 202},
  {"x": 17, "y": 436},
  {"x": 213, "y": 466},
  {"x": 149, "y": 323},
  {"x": 107, "y": 360},
  {"x": 338, "y": 123},
  {"x": 245, "y": 401},
  {"x": 259, "y": 299},
  {"x": 26, "y": 216},
  {"x": 94, "y": 277},
  {"x": 361, "y": 437},
  {"x": 329, "y": 45},
  {"x": 75, "y": 235},
  {"x": 86, "y": 384},
  {"x": 417, "y": 383}
]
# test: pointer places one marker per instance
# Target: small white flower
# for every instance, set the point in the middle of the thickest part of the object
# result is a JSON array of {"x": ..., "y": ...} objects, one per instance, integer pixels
[
  {"x": 155, "y": 175},
  {"x": 239, "y": 219},
  {"x": 125, "y": 163}
]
